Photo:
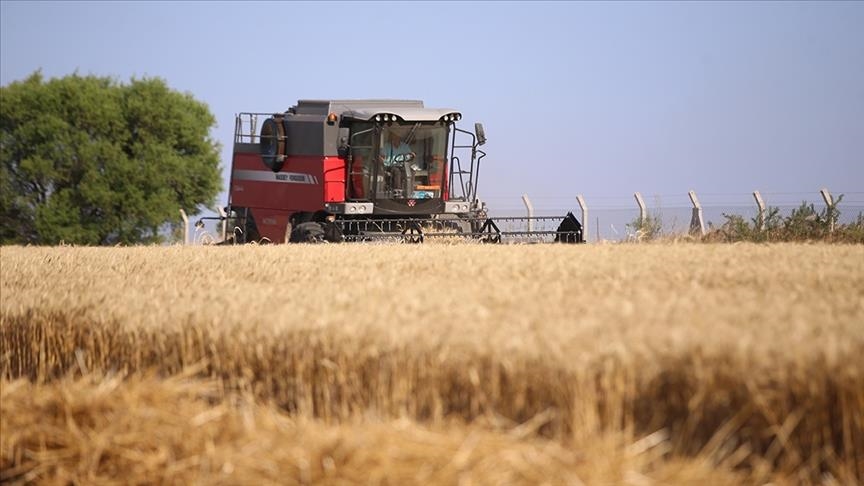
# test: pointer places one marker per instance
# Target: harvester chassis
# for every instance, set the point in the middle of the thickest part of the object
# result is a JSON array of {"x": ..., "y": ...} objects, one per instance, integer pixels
[{"x": 336, "y": 170}]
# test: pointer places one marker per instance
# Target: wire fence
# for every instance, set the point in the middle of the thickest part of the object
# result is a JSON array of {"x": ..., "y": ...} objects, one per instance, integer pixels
[{"x": 616, "y": 217}]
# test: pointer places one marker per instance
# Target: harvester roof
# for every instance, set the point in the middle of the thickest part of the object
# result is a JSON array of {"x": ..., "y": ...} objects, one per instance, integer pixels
[{"x": 367, "y": 110}]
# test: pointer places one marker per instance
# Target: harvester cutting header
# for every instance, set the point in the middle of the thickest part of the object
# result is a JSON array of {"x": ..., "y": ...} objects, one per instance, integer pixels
[{"x": 358, "y": 170}]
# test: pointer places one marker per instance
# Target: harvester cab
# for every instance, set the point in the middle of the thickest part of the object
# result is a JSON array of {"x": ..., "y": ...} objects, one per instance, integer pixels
[{"x": 360, "y": 170}]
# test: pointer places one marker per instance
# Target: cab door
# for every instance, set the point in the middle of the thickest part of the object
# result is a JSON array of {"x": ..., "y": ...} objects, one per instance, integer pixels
[{"x": 361, "y": 169}]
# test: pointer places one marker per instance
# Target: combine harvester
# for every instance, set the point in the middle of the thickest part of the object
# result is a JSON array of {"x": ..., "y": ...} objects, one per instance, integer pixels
[{"x": 366, "y": 170}]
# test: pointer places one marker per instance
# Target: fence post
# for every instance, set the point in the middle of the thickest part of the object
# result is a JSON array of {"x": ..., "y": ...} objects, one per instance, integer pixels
[
  {"x": 530, "y": 209},
  {"x": 696, "y": 221},
  {"x": 829, "y": 202},
  {"x": 760, "y": 219},
  {"x": 584, "y": 209},
  {"x": 643, "y": 213},
  {"x": 185, "y": 227}
]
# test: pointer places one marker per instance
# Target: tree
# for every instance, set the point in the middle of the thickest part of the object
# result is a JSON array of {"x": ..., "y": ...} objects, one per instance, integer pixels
[{"x": 87, "y": 160}]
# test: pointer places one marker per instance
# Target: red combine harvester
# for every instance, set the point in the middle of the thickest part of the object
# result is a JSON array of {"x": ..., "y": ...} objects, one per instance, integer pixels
[{"x": 360, "y": 170}]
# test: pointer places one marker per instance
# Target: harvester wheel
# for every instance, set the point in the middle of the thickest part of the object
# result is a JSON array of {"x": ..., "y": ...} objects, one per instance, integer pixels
[
  {"x": 310, "y": 232},
  {"x": 315, "y": 232}
]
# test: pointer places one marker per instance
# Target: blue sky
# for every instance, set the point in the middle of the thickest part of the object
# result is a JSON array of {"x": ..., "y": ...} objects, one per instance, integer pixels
[{"x": 601, "y": 99}]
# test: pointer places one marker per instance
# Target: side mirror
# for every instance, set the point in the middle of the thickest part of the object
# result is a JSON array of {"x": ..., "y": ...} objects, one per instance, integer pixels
[
  {"x": 481, "y": 134},
  {"x": 343, "y": 149}
]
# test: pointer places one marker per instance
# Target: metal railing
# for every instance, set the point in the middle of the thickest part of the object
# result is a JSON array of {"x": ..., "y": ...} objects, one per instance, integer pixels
[{"x": 246, "y": 127}]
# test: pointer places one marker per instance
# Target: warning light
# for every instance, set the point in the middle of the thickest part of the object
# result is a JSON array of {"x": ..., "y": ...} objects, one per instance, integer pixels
[{"x": 331, "y": 118}]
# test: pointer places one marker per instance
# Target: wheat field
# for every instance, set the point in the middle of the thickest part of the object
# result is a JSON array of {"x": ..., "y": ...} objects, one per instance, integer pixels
[{"x": 433, "y": 364}]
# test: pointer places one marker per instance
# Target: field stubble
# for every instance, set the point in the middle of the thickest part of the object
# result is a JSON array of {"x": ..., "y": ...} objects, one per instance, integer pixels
[{"x": 712, "y": 362}]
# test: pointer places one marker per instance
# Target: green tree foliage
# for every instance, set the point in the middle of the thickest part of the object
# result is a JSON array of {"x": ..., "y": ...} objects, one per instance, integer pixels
[{"x": 90, "y": 161}]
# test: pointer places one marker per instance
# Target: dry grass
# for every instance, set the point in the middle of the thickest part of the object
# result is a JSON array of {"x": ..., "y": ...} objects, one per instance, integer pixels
[
  {"x": 742, "y": 356},
  {"x": 104, "y": 430}
]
